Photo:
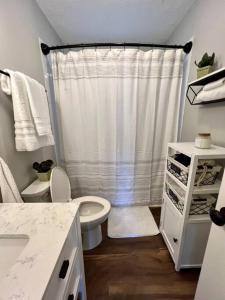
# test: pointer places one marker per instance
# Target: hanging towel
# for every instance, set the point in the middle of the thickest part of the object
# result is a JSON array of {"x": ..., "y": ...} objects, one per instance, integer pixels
[
  {"x": 213, "y": 94},
  {"x": 39, "y": 105},
  {"x": 26, "y": 134},
  {"x": 214, "y": 84},
  {"x": 8, "y": 186}
]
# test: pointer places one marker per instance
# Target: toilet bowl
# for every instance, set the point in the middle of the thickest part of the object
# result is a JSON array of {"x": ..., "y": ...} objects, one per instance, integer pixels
[{"x": 93, "y": 210}]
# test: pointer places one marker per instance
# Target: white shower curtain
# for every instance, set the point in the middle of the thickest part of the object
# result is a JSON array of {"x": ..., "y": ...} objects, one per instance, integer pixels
[{"x": 117, "y": 110}]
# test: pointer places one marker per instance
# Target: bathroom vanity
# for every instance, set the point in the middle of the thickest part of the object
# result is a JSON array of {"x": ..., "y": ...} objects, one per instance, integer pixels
[{"x": 41, "y": 252}]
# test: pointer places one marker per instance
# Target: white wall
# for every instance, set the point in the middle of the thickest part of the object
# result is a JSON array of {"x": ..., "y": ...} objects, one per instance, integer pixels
[
  {"x": 90, "y": 21},
  {"x": 21, "y": 24},
  {"x": 206, "y": 23}
]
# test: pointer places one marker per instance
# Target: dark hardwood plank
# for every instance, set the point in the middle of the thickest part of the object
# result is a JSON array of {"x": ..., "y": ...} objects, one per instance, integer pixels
[{"x": 136, "y": 269}]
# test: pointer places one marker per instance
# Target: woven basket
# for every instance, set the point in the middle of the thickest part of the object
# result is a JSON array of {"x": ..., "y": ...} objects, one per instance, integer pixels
[
  {"x": 195, "y": 209},
  {"x": 181, "y": 173}
]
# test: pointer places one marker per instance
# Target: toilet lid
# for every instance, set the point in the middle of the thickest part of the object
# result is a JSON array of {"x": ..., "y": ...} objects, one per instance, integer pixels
[{"x": 59, "y": 185}]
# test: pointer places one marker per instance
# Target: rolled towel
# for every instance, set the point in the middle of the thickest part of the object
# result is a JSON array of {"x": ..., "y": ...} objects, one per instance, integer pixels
[
  {"x": 214, "y": 84},
  {"x": 213, "y": 94}
]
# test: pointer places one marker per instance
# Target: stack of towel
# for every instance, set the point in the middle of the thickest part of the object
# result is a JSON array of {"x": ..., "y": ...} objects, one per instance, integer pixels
[
  {"x": 212, "y": 91},
  {"x": 31, "y": 111}
]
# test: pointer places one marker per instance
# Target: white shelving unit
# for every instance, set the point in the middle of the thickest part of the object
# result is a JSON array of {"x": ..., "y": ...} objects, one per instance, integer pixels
[{"x": 186, "y": 234}]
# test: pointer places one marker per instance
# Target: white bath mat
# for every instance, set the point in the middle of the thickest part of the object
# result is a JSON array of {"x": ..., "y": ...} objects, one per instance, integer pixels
[{"x": 134, "y": 221}]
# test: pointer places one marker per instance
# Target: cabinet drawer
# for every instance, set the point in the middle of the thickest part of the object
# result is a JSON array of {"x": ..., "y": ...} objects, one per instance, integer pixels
[
  {"x": 171, "y": 228},
  {"x": 59, "y": 280}
]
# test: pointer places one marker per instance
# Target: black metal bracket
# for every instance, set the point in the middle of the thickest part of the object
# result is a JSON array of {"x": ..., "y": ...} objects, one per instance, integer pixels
[
  {"x": 45, "y": 49},
  {"x": 187, "y": 47},
  {"x": 192, "y": 101},
  {"x": 4, "y": 73}
]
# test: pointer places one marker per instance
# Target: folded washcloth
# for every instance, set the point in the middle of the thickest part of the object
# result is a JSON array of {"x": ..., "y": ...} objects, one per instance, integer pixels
[
  {"x": 26, "y": 134},
  {"x": 214, "y": 84},
  {"x": 8, "y": 186},
  {"x": 212, "y": 94}
]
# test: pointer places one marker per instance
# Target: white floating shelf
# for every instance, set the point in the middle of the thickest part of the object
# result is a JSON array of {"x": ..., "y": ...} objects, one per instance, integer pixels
[
  {"x": 213, "y": 76},
  {"x": 192, "y": 92}
]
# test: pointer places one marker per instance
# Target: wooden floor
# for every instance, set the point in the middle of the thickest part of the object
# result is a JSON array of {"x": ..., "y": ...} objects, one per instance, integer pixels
[{"x": 136, "y": 269}]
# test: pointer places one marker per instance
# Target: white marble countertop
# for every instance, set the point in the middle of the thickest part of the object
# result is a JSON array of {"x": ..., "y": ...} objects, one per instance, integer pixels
[{"x": 47, "y": 226}]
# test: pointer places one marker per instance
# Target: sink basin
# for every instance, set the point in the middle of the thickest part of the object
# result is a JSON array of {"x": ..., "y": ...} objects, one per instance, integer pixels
[{"x": 11, "y": 247}]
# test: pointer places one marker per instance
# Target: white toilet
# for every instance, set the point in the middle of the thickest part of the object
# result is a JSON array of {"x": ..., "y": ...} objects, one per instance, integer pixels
[{"x": 93, "y": 210}]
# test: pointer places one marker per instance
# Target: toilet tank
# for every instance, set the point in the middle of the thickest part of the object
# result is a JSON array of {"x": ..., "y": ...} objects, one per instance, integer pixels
[{"x": 37, "y": 191}]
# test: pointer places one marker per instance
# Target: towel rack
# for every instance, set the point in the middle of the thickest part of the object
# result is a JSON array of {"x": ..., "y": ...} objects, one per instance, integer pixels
[{"x": 4, "y": 73}]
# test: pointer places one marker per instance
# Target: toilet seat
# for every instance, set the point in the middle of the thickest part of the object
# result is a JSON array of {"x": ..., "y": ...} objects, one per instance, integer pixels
[{"x": 92, "y": 217}]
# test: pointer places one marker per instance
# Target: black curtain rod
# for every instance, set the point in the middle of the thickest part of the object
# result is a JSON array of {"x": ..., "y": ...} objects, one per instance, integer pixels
[
  {"x": 4, "y": 73},
  {"x": 46, "y": 49}
]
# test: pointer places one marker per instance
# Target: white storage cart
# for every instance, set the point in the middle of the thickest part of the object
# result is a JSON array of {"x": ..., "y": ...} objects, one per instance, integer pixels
[{"x": 189, "y": 193}]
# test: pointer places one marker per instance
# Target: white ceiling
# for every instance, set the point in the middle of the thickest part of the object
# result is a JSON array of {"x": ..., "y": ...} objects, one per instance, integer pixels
[{"x": 114, "y": 20}]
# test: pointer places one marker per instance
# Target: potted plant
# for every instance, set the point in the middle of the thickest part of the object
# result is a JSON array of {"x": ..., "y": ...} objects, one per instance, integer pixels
[
  {"x": 43, "y": 169},
  {"x": 205, "y": 66}
]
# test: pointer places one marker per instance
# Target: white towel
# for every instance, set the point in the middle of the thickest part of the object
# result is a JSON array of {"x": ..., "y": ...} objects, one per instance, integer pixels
[
  {"x": 214, "y": 84},
  {"x": 39, "y": 105},
  {"x": 8, "y": 186},
  {"x": 26, "y": 135},
  {"x": 213, "y": 94}
]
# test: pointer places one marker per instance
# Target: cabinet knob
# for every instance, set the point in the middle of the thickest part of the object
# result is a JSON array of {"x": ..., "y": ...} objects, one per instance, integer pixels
[
  {"x": 64, "y": 269},
  {"x": 175, "y": 240},
  {"x": 70, "y": 297},
  {"x": 218, "y": 217}
]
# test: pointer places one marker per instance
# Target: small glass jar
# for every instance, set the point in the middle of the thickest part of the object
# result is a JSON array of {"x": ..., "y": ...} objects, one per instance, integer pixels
[{"x": 203, "y": 140}]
